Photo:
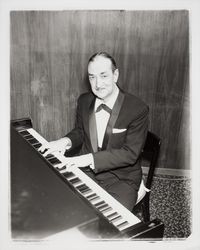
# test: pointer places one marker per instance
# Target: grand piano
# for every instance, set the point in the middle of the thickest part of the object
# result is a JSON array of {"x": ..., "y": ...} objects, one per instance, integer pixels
[{"x": 47, "y": 203}]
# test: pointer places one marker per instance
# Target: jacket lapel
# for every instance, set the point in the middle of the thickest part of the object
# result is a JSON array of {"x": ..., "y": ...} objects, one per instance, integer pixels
[
  {"x": 93, "y": 127},
  {"x": 112, "y": 120}
]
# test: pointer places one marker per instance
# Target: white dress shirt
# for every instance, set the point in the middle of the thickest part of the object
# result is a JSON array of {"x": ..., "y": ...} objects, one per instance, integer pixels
[{"x": 103, "y": 116}]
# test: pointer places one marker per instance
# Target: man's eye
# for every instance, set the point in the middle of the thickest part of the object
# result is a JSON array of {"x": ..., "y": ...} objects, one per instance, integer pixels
[
  {"x": 104, "y": 76},
  {"x": 91, "y": 77}
]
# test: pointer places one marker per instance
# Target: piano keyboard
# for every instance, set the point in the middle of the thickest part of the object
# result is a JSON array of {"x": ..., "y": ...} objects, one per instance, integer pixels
[{"x": 103, "y": 202}]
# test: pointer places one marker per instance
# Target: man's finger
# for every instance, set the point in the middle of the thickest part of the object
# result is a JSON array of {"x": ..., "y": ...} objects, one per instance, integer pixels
[
  {"x": 43, "y": 147},
  {"x": 64, "y": 165},
  {"x": 49, "y": 151},
  {"x": 68, "y": 168},
  {"x": 64, "y": 169},
  {"x": 60, "y": 167}
]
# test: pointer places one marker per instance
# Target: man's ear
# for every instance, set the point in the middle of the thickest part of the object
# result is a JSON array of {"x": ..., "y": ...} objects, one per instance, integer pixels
[{"x": 116, "y": 75}]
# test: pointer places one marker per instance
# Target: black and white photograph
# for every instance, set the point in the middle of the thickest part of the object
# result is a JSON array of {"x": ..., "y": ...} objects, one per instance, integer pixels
[{"x": 99, "y": 126}]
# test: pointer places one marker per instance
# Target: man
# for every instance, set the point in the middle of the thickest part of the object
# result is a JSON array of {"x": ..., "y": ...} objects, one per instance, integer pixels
[{"x": 112, "y": 135}]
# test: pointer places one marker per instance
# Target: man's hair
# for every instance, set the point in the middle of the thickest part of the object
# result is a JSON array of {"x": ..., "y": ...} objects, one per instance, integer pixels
[{"x": 105, "y": 55}]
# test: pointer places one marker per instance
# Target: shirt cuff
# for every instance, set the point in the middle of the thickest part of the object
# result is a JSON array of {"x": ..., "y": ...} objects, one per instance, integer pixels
[
  {"x": 91, "y": 159},
  {"x": 68, "y": 143}
]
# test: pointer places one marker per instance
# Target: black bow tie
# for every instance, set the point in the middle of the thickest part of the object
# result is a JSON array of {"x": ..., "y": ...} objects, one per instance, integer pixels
[{"x": 105, "y": 107}]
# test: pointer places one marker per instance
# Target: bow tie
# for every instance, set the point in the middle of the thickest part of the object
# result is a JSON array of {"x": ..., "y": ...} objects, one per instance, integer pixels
[{"x": 105, "y": 107}]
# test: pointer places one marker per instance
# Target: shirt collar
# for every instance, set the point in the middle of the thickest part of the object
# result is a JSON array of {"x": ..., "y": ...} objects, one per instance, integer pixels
[{"x": 110, "y": 103}]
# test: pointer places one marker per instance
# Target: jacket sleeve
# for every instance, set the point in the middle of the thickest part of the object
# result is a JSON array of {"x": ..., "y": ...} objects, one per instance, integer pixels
[
  {"x": 76, "y": 135},
  {"x": 131, "y": 148}
]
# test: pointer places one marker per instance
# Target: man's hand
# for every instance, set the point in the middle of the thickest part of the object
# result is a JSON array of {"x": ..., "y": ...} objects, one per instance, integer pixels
[
  {"x": 76, "y": 162},
  {"x": 60, "y": 145}
]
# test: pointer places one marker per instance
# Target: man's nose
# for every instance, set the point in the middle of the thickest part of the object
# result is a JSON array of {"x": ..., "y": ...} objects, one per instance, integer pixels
[{"x": 98, "y": 82}]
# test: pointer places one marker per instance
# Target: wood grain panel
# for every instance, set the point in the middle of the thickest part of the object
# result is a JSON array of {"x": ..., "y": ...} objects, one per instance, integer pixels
[{"x": 49, "y": 54}]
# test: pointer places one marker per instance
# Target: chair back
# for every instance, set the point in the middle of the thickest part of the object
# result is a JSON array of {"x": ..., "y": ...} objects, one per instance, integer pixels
[{"x": 150, "y": 153}]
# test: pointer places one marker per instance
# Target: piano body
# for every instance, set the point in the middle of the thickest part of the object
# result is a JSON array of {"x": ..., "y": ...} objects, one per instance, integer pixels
[{"x": 46, "y": 202}]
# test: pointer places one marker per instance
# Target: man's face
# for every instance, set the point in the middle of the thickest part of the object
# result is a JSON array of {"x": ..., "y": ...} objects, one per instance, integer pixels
[{"x": 102, "y": 78}]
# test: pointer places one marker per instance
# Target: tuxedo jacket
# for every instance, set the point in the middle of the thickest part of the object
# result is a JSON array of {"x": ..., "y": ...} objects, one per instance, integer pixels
[{"x": 123, "y": 140}]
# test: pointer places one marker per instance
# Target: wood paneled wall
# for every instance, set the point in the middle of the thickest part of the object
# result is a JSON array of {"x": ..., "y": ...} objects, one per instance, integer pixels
[{"x": 49, "y": 54}]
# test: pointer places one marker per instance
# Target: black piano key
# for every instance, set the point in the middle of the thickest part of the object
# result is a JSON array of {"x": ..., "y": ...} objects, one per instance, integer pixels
[
  {"x": 61, "y": 168},
  {"x": 105, "y": 210},
  {"x": 91, "y": 196},
  {"x": 68, "y": 175},
  {"x": 86, "y": 191},
  {"x": 32, "y": 141},
  {"x": 54, "y": 161},
  {"x": 122, "y": 224},
  {"x": 36, "y": 146},
  {"x": 49, "y": 156},
  {"x": 74, "y": 180},
  {"x": 82, "y": 187},
  {"x": 116, "y": 218},
  {"x": 112, "y": 215},
  {"x": 101, "y": 208},
  {"x": 42, "y": 152},
  {"x": 27, "y": 137},
  {"x": 24, "y": 132},
  {"x": 94, "y": 198},
  {"x": 99, "y": 203}
]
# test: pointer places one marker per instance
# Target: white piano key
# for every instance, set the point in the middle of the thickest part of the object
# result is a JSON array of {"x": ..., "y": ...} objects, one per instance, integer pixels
[
  {"x": 94, "y": 200},
  {"x": 107, "y": 211},
  {"x": 85, "y": 194},
  {"x": 118, "y": 222},
  {"x": 37, "y": 136},
  {"x": 112, "y": 215},
  {"x": 77, "y": 183},
  {"x": 123, "y": 226}
]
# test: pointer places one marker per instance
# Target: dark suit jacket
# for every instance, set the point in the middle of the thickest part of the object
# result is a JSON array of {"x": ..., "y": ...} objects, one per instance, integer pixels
[{"x": 120, "y": 151}]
